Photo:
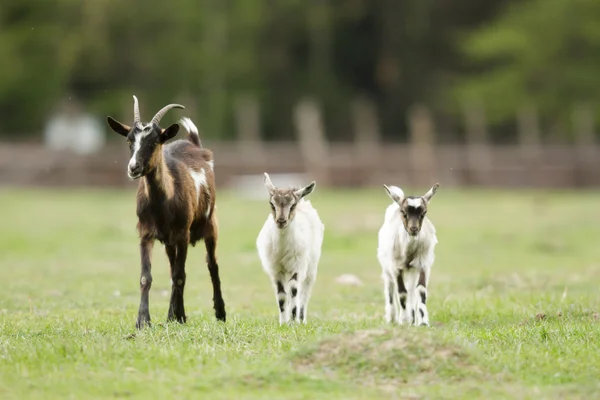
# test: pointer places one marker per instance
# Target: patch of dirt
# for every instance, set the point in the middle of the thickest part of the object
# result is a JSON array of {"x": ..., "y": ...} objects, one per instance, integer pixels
[
  {"x": 390, "y": 357},
  {"x": 349, "y": 279}
]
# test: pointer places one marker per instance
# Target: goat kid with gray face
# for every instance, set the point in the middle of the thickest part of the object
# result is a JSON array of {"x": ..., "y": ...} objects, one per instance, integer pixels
[
  {"x": 175, "y": 203},
  {"x": 289, "y": 247},
  {"x": 407, "y": 241}
]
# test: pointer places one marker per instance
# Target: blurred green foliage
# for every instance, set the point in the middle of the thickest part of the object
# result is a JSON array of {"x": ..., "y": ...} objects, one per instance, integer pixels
[
  {"x": 398, "y": 53},
  {"x": 545, "y": 53}
]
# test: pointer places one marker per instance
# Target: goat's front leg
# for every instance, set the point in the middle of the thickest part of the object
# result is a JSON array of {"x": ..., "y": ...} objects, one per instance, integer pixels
[
  {"x": 176, "y": 307},
  {"x": 391, "y": 299},
  {"x": 145, "y": 283},
  {"x": 282, "y": 300},
  {"x": 423, "y": 317},
  {"x": 403, "y": 312},
  {"x": 410, "y": 277}
]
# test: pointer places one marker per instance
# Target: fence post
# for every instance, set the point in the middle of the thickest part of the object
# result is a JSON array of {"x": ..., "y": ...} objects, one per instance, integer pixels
[
  {"x": 529, "y": 139},
  {"x": 585, "y": 143},
  {"x": 247, "y": 115},
  {"x": 479, "y": 157},
  {"x": 422, "y": 145},
  {"x": 367, "y": 138},
  {"x": 313, "y": 143}
]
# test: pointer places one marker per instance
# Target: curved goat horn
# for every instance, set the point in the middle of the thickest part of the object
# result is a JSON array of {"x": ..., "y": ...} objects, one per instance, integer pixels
[
  {"x": 136, "y": 110},
  {"x": 161, "y": 113}
]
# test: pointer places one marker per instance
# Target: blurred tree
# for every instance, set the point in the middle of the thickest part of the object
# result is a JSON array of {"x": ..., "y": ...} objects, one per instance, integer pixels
[
  {"x": 39, "y": 46},
  {"x": 103, "y": 51},
  {"x": 540, "y": 52}
]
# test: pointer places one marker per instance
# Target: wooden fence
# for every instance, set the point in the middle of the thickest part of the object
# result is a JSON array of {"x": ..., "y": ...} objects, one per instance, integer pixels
[{"x": 365, "y": 161}]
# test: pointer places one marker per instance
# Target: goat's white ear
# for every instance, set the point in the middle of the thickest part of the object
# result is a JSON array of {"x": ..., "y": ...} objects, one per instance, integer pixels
[
  {"x": 395, "y": 193},
  {"x": 306, "y": 190},
  {"x": 431, "y": 192},
  {"x": 268, "y": 184}
]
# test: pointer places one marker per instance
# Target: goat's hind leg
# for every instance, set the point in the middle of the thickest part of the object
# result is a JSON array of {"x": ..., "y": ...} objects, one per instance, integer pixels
[
  {"x": 294, "y": 297},
  {"x": 143, "y": 318},
  {"x": 176, "y": 306},
  {"x": 301, "y": 296},
  {"x": 210, "y": 241}
]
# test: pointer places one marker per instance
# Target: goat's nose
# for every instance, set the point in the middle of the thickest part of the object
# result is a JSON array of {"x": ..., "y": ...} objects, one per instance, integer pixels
[
  {"x": 414, "y": 229},
  {"x": 280, "y": 220},
  {"x": 134, "y": 167}
]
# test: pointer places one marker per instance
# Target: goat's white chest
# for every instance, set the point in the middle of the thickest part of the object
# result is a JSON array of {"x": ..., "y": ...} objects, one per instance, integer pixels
[
  {"x": 410, "y": 253},
  {"x": 288, "y": 246}
]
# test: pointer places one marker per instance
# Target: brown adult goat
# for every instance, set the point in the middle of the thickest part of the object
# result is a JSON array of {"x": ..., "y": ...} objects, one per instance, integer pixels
[{"x": 175, "y": 203}]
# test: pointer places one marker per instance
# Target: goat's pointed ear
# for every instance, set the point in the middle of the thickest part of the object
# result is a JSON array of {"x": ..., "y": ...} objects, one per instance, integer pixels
[
  {"x": 169, "y": 133},
  {"x": 268, "y": 184},
  {"x": 117, "y": 126},
  {"x": 306, "y": 190},
  {"x": 395, "y": 193},
  {"x": 427, "y": 197}
]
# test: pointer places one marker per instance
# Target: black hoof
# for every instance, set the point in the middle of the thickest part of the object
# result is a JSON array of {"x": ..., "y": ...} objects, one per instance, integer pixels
[{"x": 143, "y": 322}]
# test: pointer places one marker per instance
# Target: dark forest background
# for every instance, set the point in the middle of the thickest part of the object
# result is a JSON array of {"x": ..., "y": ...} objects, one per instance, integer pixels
[{"x": 502, "y": 54}]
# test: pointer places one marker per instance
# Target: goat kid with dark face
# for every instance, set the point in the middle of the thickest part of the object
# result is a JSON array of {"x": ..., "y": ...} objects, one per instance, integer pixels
[
  {"x": 407, "y": 241},
  {"x": 289, "y": 247},
  {"x": 175, "y": 203}
]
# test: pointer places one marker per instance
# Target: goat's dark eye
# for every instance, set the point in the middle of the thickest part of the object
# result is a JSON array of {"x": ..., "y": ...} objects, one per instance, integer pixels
[
  {"x": 272, "y": 206},
  {"x": 292, "y": 208},
  {"x": 403, "y": 213},
  {"x": 129, "y": 142}
]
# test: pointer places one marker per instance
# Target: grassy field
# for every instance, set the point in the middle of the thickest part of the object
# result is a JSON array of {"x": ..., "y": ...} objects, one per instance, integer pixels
[{"x": 514, "y": 302}]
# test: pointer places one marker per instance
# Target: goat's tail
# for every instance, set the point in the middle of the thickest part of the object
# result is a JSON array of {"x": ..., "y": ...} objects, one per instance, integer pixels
[{"x": 192, "y": 130}]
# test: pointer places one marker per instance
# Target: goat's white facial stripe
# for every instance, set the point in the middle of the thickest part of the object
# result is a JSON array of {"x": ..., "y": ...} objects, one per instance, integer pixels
[
  {"x": 211, "y": 164},
  {"x": 137, "y": 144},
  {"x": 418, "y": 202}
]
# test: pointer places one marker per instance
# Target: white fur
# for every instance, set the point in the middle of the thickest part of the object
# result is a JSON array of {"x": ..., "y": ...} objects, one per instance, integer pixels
[
  {"x": 189, "y": 125},
  {"x": 201, "y": 185},
  {"x": 199, "y": 180},
  {"x": 293, "y": 249},
  {"x": 394, "y": 245},
  {"x": 414, "y": 202},
  {"x": 211, "y": 164},
  {"x": 396, "y": 192}
]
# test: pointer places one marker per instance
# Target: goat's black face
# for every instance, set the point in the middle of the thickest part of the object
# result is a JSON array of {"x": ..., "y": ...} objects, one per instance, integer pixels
[
  {"x": 145, "y": 144},
  {"x": 413, "y": 210},
  {"x": 144, "y": 140}
]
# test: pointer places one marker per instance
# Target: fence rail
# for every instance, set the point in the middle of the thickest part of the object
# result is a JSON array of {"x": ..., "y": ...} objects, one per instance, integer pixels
[
  {"x": 344, "y": 165},
  {"x": 366, "y": 161}
]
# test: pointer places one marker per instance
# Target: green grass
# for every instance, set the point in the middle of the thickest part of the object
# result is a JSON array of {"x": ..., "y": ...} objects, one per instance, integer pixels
[{"x": 514, "y": 302}]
